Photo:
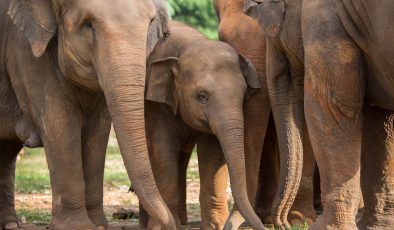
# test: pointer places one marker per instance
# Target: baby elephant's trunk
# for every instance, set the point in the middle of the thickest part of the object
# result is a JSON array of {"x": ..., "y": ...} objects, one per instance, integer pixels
[{"x": 229, "y": 128}]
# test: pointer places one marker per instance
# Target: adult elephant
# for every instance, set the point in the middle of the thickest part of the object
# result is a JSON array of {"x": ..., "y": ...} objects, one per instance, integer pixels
[
  {"x": 247, "y": 37},
  {"x": 61, "y": 64},
  {"x": 349, "y": 104}
]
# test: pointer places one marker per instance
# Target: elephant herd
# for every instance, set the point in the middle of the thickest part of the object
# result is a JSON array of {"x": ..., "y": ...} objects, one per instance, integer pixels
[{"x": 293, "y": 87}]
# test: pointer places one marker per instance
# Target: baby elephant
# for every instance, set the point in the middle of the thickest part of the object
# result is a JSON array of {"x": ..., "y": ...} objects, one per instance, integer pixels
[{"x": 195, "y": 94}]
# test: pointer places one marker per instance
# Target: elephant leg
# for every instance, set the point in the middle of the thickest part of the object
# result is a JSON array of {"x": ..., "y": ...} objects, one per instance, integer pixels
[
  {"x": 8, "y": 152},
  {"x": 184, "y": 159},
  {"x": 63, "y": 152},
  {"x": 302, "y": 209},
  {"x": 164, "y": 149},
  {"x": 213, "y": 178},
  {"x": 377, "y": 171},
  {"x": 334, "y": 95},
  {"x": 268, "y": 175},
  {"x": 94, "y": 144}
]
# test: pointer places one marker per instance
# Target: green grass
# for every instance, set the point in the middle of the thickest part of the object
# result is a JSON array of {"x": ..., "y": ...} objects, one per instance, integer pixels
[
  {"x": 32, "y": 174},
  {"x": 36, "y": 216}
]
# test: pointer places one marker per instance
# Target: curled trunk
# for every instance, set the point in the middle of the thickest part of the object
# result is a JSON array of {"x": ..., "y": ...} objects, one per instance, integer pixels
[
  {"x": 231, "y": 136},
  {"x": 122, "y": 70}
]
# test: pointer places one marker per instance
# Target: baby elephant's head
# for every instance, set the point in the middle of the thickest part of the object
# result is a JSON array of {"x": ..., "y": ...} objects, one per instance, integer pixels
[{"x": 206, "y": 85}]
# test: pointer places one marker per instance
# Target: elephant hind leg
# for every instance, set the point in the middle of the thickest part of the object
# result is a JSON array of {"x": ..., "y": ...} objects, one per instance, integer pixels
[
  {"x": 377, "y": 171},
  {"x": 8, "y": 152},
  {"x": 334, "y": 96},
  {"x": 213, "y": 179}
]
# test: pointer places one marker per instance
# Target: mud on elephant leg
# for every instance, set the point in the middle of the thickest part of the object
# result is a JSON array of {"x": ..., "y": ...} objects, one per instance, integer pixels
[
  {"x": 213, "y": 178},
  {"x": 377, "y": 171},
  {"x": 334, "y": 88},
  {"x": 94, "y": 144},
  {"x": 8, "y": 152}
]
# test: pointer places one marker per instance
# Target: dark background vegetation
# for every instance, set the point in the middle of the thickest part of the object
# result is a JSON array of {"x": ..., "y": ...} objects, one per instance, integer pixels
[{"x": 197, "y": 13}]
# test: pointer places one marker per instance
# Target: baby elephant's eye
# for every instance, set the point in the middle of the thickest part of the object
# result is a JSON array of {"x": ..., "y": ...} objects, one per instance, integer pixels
[
  {"x": 88, "y": 24},
  {"x": 203, "y": 97}
]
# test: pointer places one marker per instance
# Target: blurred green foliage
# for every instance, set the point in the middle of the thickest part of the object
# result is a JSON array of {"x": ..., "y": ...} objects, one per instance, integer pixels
[{"x": 197, "y": 13}]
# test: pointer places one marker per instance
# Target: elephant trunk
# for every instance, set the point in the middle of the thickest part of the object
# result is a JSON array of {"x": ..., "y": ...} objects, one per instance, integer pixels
[
  {"x": 121, "y": 71},
  {"x": 230, "y": 133}
]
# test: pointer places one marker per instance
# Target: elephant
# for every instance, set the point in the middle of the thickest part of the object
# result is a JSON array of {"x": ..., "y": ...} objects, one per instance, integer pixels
[
  {"x": 194, "y": 95},
  {"x": 349, "y": 103},
  {"x": 281, "y": 21},
  {"x": 67, "y": 69}
]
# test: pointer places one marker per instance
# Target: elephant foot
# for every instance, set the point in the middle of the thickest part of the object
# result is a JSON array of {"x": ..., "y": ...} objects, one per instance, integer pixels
[
  {"x": 323, "y": 224},
  {"x": 11, "y": 225},
  {"x": 101, "y": 227},
  {"x": 98, "y": 218},
  {"x": 265, "y": 215},
  {"x": 75, "y": 222},
  {"x": 368, "y": 222},
  {"x": 8, "y": 220},
  {"x": 234, "y": 221},
  {"x": 298, "y": 218}
]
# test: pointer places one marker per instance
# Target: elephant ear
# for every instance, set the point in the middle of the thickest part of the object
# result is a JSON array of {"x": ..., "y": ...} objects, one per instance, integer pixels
[
  {"x": 251, "y": 76},
  {"x": 160, "y": 84},
  {"x": 37, "y": 20},
  {"x": 251, "y": 8},
  {"x": 271, "y": 16}
]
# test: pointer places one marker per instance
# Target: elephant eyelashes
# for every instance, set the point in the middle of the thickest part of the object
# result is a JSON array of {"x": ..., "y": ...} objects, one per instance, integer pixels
[{"x": 203, "y": 97}]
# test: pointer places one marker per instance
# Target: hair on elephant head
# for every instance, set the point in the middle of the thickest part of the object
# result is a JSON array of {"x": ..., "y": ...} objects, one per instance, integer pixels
[
  {"x": 101, "y": 46},
  {"x": 198, "y": 86}
]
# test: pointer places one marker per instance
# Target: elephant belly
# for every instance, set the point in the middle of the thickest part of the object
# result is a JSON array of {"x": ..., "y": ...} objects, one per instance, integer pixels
[{"x": 9, "y": 109}]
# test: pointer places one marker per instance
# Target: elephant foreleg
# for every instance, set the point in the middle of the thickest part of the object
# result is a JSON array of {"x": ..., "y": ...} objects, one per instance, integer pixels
[
  {"x": 8, "y": 152},
  {"x": 377, "y": 171},
  {"x": 213, "y": 179},
  {"x": 94, "y": 143}
]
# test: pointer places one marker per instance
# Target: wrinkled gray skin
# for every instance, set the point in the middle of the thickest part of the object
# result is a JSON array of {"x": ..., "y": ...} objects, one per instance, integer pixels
[
  {"x": 195, "y": 91},
  {"x": 61, "y": 64},
  {"x": 281, "y": 21}
]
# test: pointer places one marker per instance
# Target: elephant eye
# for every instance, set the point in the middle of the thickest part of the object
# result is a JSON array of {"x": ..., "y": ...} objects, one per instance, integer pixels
[
  {"x": 88, "y": 24},
  {"x": 203, "y": 97}
]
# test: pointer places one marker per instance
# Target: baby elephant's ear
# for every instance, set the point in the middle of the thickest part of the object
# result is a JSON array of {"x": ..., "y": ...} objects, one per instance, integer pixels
[
  {"x": 160, "y": 82},
  {"x": 271, "y": 16},
  {"x": 250, "y": 74},
  {"x": 37, "y": 20}
]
